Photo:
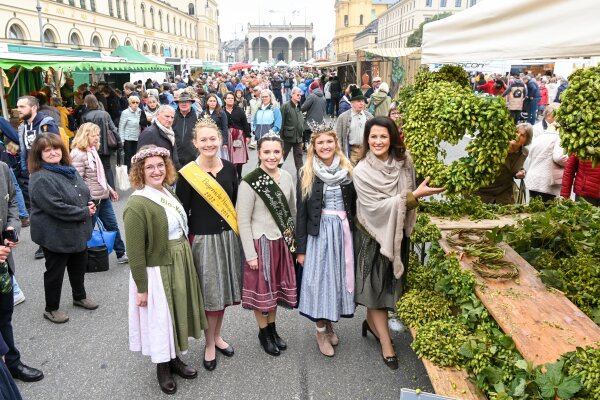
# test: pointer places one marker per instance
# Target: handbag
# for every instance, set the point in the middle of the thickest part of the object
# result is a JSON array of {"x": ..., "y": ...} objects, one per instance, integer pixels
[
  {"x": 102, "y": 237},
  {"x": 111, "y": 137},
  {"x": 122, "y": 178},
  {"x": 97, "y": 259},
  {"x": 237, "y": 143}
]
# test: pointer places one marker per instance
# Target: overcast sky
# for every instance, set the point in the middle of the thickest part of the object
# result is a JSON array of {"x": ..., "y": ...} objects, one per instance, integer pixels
[{"x": 233, "y": 14}]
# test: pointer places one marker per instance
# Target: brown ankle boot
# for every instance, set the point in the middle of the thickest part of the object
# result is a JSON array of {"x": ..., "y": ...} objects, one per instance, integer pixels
[
  {"x": 165, "y": 379},
  {"x": 324, "y": 345},
  {"x": 333, "y": 338}
]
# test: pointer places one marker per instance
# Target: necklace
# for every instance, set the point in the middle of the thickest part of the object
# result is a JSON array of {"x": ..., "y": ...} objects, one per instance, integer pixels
[{"x": 214, "y": 169}]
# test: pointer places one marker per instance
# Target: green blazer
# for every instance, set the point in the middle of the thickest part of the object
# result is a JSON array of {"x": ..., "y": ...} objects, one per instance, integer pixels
[{"x": 292, "y": 123}]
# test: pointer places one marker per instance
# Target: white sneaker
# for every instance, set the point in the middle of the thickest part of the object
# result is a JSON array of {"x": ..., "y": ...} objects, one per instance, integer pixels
[
  {"x": 19, "y": 298},
  {"x": 252, "y": 145},
  {"x": 123, "y": 259}
]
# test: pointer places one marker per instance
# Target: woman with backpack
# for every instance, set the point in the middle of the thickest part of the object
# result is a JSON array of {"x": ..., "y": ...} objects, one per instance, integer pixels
[{"x": 515, "y": 96}]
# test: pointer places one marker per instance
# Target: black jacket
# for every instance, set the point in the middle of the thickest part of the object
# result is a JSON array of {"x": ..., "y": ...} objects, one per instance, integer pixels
[
  {"x": 308, "y": 217},
  {"x": 184, "y": 134},
  {"x": 60, "y": 218},
  {"x": 153, "y": 135}
]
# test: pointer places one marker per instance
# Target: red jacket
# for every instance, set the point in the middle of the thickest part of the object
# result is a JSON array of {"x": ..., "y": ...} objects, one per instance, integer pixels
[
  {"x": 544, "y": 93},
  {"x": 488, "y": 87},
  {"x": 587, "y": 178}
]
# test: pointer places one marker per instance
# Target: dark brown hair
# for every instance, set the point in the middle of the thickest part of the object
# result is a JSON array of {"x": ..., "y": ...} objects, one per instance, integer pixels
[
  {"x": 136, "y": 173},
  {"x": 397, "y": 147},
  {"x": 41, "y": 143},
  {"x": 217, "y": 108},
  {"x": 91, "y": 102}
]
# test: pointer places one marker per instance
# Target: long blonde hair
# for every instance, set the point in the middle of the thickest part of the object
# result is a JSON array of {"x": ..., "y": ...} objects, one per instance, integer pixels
[
  {"x": 308, "y": 173},
  {"x": 81, "y": 140}
]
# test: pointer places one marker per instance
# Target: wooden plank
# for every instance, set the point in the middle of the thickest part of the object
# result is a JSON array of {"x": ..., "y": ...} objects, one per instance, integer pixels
[
  {"x": 446, "y": 224},
  {"x": 451, "y": 382},
  {"x": 542, "y": 322}
]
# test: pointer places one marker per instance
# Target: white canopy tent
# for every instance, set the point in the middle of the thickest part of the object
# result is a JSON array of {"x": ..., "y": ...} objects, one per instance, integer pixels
[{"x": 509, "y": 29}]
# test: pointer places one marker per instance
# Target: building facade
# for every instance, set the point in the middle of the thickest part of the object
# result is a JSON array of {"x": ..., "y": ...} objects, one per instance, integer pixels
[
  {"x": 402, "y": 19},
  {"x": 367, "y": 38},
  {"x": 273, "y": 43},
  {"x": 351, "y": 18},
  {"x": 233, "y": 51},
  {"x": 179, "y": 29}
]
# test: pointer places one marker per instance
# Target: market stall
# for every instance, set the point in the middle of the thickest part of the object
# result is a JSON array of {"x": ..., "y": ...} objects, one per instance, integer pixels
[
  {"x": 396, "y": 66},
  {"x": 513, "y": 29},
  {"x": 58, "y": 67}
]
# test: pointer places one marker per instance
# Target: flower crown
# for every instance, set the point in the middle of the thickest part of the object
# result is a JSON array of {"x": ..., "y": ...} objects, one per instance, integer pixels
[
  {"x": 316, "y": 127},
  {"x": 206, "y": 122},
  {"x": 150, "y": 152}
]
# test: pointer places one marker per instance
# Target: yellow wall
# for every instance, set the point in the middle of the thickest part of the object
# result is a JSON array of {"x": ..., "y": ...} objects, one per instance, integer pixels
[{"x": 344, "y": 35}]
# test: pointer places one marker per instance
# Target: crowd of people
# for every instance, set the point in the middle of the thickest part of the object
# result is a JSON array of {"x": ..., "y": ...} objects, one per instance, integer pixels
[{"x": 200, "y": 236}]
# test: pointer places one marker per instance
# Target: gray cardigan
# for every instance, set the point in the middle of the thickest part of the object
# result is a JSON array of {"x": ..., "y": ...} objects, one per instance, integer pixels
[
  {"x": 342, "y": 128},
  {"x": 60, "y": 218},
  {"x": 9, "y": 211}
]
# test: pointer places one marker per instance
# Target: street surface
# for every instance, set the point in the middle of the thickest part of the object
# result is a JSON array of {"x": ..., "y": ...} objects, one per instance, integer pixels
[{"x": 88, "y": 357}]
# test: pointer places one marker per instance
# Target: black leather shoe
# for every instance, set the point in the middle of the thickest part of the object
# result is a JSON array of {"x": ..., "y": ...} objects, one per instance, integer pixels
[
  {"x": 366, "y": 328},
  {"x": 182, "y": 369},
  {"x": 26, "y": 374},
  {"x": 165, "y": 378},
  {"x": 267, "y": 342},
  {"x": 281, "y": 345},
  {"x": 227, "y": 352},
  {"x": 391, "y": 362},
  {"x": 209, "y": 365},
  {"x": 39, "y": 254}
]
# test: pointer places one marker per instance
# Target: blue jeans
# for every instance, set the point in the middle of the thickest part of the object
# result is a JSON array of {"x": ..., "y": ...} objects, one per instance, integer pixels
[
  {"x": 106, "y": 213},
  {"x": 20, "y": 199},
  {"x": 532, "y": 111}
]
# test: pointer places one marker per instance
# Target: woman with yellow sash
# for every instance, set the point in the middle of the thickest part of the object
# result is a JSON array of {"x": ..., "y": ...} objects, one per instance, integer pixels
[{"x": 208, "y": 192}]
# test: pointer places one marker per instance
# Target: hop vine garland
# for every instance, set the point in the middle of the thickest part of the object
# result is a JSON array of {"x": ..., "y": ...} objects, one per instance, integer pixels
[
  {"x": 579, "y": 115},
  {"x": 446, "y": 112}
]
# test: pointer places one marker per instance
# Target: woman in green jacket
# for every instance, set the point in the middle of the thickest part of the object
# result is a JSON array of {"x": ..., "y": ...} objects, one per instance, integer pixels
[{"x": 165, "y": 299}]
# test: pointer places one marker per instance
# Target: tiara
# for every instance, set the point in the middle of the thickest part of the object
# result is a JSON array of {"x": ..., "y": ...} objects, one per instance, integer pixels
[
  {"x": 206, "y": 122},
  {"x": 316, "y": 127},
  {"x": 150, "y": 152}
]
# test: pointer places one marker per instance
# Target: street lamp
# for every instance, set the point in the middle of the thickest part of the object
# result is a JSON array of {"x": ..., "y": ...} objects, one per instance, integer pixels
[{"x": 38, "y": 7}]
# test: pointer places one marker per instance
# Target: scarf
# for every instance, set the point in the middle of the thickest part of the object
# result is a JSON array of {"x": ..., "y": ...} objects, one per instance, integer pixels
[
  {"x": 331, "y": 175},
  {"x": 381, "y": 188},
  {"x": 168, "y": 131},
  {"x": 93, "y": 157},
  {"x": 66, "y": 170}
]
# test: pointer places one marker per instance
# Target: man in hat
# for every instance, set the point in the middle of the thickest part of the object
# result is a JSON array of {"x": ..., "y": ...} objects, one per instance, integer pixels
[
  {"x": 374, "y": 89},
  {"x": 183, "y": 126},
  {"x": 350, "y": 126}
]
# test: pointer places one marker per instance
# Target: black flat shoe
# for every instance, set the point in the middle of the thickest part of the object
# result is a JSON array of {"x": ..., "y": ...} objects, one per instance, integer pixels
[
  {"x": 279, "y": 342},
  {"x": 210, "y": 365},
  {"x": 391, "y": 362},
  {"x": 366, "y": 328},
  {"x": 227, "y": 352}
]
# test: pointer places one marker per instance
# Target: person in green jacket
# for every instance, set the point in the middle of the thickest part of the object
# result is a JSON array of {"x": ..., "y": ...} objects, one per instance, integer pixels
[
  {"x": 292, "y": 127},
  {"x": 165, "y": 300}
]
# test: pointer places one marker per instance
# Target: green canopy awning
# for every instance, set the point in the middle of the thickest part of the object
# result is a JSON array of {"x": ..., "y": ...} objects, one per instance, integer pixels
[
  {"x": 131, "y": 55},
  {"x": 84, "y": 66},
  {"x": 207, "y": 67}
]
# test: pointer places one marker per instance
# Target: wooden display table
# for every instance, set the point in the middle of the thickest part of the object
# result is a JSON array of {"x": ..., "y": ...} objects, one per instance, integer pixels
[
  {"x": 451, "y": 382},
  {"x": 542, "y": 322}
]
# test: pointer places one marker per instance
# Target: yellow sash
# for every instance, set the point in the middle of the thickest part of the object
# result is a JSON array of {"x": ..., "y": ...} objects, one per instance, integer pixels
[{"x": 212, "y": 192}]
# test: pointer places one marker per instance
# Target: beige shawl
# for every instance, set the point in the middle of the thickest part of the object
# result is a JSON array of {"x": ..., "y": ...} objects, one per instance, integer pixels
[{"x": 381, "y": 206}]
